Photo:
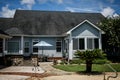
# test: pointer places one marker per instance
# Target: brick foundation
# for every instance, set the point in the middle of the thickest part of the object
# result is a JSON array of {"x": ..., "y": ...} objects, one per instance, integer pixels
[{"x": 14, "y": 60}]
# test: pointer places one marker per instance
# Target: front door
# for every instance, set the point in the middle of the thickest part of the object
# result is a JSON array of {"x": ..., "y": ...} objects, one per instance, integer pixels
[{"x": 26, "y": 49}]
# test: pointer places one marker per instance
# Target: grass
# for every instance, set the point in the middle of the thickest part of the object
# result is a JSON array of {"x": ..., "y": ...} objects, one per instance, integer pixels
[{"x": 81, "y": 68}]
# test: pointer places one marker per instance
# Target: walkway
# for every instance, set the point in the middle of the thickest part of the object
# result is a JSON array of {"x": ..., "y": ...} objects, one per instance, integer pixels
[
  {"x": 25, "y": 69},
  {"x": 47, "y": 67}
]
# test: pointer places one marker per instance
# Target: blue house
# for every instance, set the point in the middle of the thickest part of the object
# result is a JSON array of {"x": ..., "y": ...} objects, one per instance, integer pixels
[{"x": 66, "y": 31}]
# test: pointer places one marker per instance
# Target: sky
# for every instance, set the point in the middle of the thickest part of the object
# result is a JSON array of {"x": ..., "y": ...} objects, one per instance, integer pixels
[{"x": 105, "y": 7}]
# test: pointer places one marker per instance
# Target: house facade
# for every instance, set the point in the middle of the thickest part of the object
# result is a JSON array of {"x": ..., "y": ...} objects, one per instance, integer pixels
[{"x": 65, "y": 31}]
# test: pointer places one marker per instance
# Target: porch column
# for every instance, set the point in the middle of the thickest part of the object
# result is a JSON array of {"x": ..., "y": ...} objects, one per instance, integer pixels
[
  {"x": 4, "y": 51},
  {"x": 70, "y": 47},
  {"x": 100, "y": 41},
  {"x": 85, "y": 39},
  {"x": 21, "y": 50}
]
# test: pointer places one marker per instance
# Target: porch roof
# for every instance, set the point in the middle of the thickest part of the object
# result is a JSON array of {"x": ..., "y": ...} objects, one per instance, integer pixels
[{"x": 4, "y": 35}]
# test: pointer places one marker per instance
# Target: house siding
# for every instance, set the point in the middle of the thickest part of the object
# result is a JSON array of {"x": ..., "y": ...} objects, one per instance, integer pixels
[
  {"x": 85, "y": 30},
  {"x": 47, "y": 51}
]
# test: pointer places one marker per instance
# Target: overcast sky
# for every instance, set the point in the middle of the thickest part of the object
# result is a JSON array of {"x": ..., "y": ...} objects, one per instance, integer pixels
[{"x": 106, "y": 7}]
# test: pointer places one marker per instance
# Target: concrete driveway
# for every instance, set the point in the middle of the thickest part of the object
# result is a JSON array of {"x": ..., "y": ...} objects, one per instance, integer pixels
[
  {"x": 19, "y": 69},
  {"x": 29, "y": 69},
  {"x": 13, "y": 77}
]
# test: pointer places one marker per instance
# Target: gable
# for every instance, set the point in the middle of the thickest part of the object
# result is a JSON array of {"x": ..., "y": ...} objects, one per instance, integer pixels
[{"x": 85, "y": 29}]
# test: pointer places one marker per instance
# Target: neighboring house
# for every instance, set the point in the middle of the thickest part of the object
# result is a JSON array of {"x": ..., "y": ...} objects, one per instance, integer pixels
[{"x": 66, "y": 31}]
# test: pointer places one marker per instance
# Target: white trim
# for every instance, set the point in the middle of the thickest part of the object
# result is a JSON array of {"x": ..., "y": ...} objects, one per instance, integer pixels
[
  {"x": 22, "y": 45},
  {"x": 4, "y": 46},
  {"x": 85, "y": 43},
  {"x": 100, "y": 41},
  {"x": 84, "y": 22},
  {"x": 70, "y": 47},
  {"x": 39, "y": 35}
]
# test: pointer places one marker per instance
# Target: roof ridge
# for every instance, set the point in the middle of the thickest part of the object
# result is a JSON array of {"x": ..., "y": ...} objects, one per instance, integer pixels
[{"x": 42, "y": 11}]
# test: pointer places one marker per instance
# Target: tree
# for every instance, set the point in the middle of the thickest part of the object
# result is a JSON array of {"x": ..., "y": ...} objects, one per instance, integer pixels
[
  {"x": 111, "y": 38},
  {"x": 89, "y": 56}
]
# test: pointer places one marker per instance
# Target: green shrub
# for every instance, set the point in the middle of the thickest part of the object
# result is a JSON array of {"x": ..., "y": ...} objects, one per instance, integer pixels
[
  {"x": 101, "y": 61},
  {"x": 77, "y": 61}
]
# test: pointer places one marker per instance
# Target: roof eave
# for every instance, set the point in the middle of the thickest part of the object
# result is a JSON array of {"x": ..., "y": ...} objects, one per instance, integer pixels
[
  {"x": 84, "y": 22},
  {"x": 5, "y": 36}
]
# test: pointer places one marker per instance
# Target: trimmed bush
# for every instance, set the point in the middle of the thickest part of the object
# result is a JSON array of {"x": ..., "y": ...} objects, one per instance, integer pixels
[
  {"x": 77, "y": 61},
  {"x": 101, "y": 61}
]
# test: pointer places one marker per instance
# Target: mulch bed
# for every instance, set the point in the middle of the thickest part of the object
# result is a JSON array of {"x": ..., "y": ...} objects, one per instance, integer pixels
[{"x": 42, "y": 75}]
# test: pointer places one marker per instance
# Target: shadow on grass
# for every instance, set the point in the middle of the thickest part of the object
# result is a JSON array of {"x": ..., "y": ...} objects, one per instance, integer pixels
[{"x": 89, "y": 73}]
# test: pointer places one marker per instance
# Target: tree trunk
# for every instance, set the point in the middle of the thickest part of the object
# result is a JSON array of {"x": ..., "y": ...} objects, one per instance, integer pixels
[{"x": 88, "y": 65}]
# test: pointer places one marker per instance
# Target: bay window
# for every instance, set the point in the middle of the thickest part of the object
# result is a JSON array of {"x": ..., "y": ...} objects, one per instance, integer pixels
[
  {"x": 91, "y": 43},
  {"x": 13, "y": 47}
]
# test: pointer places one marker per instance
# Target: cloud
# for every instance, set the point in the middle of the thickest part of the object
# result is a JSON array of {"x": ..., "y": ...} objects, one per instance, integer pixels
[
  {"x": 6, "y": 12},
  {"x": 115, "y": 15},
  {"x": 72, "y": 9},
  {"x": 54, "y": 1},
  {"x": 60, "y": 1},
  {"x": 42, "y": 1},
  {"x": 111, "y": 1},
  {"x": 28, "y": 3},
  {"x": 108, "y": 11}
]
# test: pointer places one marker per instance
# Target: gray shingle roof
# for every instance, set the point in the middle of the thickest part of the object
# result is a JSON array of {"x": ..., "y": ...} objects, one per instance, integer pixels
[
  {"x": 2, "y": 32},
  {"x": 31, "y": 22}
]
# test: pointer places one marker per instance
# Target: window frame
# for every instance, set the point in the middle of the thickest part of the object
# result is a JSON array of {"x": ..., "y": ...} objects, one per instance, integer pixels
[
  {"x": 79, "y": 43},
  {"x": 93, "y": 43},
  {"x": 18, "y": 47},
  {"x": 35, "y": 40},
  {"x": 59, "y": 46},
  {"x": 86, "y": 43}
]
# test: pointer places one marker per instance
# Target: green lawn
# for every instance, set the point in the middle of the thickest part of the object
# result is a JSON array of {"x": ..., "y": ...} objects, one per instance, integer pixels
[{"x": 95, "y": 67}]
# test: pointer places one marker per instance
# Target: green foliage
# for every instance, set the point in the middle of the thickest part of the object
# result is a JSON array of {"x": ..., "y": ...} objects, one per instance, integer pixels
[
  {"x": 77, "y": 61},
  {"x": 101, "y": 61},
  {"x": 90, "y": 54},
  {"x": 80, "y": 68},
  {"x": 111, "y": 26}
]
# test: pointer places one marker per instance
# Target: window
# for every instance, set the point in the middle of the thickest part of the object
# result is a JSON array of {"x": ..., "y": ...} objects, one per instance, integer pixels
[
  {"x": 89, "y": 43},
  {"x": 26, "y": 47},
  {"x": 75, "y": 44},
  {"x": 1, "y": 46},
  {"x": 13, "y": 47},
  {"x": 58, "y": 45},
  {"x": 81, "y": 44},
  {"x": 96, "y": 43},
  {"x": 92, "y": 43},
  {"x": 35, "y": 48}
]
